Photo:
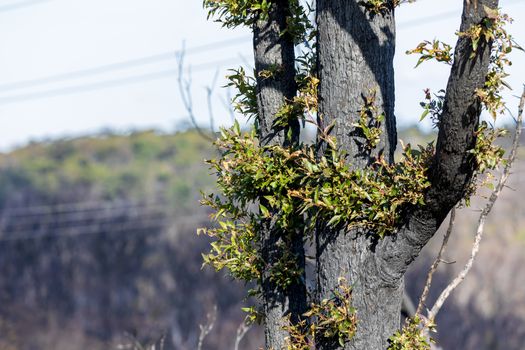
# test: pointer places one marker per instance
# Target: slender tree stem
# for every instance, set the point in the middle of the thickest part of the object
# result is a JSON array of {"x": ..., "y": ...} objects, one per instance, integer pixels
[{"x": 435, "y": 265}]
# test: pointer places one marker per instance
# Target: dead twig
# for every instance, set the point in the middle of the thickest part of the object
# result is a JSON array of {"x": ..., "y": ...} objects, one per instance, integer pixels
[
  {"x": 435, "y": 265},
  {"x": 207, "y": 327},
  {"x": 241, "y": 332},
  {"x": 185, "y": 94}
]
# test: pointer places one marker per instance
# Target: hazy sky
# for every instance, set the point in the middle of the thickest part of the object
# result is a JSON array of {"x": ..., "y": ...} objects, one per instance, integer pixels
[{"x": 70, "y": 67}]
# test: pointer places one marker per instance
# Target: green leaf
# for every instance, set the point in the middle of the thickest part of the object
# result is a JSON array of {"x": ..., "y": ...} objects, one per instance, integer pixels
[
  {"x": 424, "y": 114},
  {"x": 264, "y": 211}
]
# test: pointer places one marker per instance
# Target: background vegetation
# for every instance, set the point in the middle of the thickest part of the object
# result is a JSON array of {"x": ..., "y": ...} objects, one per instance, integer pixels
[{"x": 98, "y": 245}]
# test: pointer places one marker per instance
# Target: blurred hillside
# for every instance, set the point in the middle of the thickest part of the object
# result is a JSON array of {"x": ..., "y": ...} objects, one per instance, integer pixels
[{"x": 98, "y": 245}]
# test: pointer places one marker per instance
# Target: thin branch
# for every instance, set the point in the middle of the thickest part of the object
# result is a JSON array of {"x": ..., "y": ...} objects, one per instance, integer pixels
[
  {"x": 435, "y": 265},
  {"x": 245, "y": 61},
  {"x": 207, "y": 327},
  {"x": 209, "y": 95},
  {"x": 481, "y": 223},
  {"x": 241, "y": 332},
  {"x": 185, "y": 93},
  {"x": 227, "y": 103}
]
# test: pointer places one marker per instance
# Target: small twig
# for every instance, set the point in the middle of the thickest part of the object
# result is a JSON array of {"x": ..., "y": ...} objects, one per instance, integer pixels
[
  {"x": 207, "y": 327},
  {"x": 435, "y": 265},
  {"x": 227, "y": 103},
  {"x": 481, "y": 223},
  {"x": 447, "y": 262},
  {"x": 241, "y": 332},
  {"x": 209, "y": 95},
  {"x": 246, "y": 62},
  {"x": 185, "y": 93}
]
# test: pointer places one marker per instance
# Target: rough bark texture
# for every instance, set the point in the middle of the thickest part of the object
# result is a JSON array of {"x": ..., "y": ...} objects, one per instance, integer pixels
[
  {"x": 355, "y": 57},
  {"x": 356, "y": 53},
  {"x": 275, "y": 52}
]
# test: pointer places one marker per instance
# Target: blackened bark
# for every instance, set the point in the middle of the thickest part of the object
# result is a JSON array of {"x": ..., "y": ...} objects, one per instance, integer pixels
[
  {"x": 453, "y": 165},
  {"x": 274, "y": 52},
  {"x": 355, "y": 58}
]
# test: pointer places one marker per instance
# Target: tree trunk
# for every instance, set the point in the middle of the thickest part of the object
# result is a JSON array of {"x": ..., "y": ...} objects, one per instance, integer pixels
[
  {"x": 355, "y": 57},
  {"x": 274, "y": 52},
  {"x": 355, "y": 54}
]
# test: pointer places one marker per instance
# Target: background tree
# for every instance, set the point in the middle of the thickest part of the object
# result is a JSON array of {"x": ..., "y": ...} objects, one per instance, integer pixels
[{"x": 371, "y": 216}]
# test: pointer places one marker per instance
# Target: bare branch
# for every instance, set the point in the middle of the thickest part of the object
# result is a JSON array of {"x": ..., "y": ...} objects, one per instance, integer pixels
[
  {"x": 185, "y": 93},
  {"x": 209, "y": 95},
  {"x": 227, "y": 103},
  {"x": 241, "y": 332},
  {"x": 486, "y": 210},
  {"x": 435, "y": 265},
  {"x": 207, "y": 327}
]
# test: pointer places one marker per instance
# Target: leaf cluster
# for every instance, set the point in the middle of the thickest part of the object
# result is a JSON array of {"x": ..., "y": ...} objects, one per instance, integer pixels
[
  {"x": 370, "y": 120},
  {"x": 381, "y": 7},
  {"x": 492, "y": 30},
  {"x": 436, "y": 50},
  {"x": 411, "y": 337},
  {"x": 233, "y": 13},
  {"x": 333, "y": 318},
  {"x": 433, "y": 106},
  {"x": 277, "y": 185},
  {"x": 245, "y": 100}
]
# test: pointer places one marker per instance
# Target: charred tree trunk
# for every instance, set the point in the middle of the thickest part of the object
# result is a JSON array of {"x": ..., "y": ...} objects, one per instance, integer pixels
[
  {"x": 356, "y": 53},
  {"x": 274, "y": 53},
  {"x": 355, "y": 56}
]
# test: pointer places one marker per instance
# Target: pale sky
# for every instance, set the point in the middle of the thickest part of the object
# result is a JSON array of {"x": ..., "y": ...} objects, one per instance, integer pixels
[{"x": 71, "y": 67}]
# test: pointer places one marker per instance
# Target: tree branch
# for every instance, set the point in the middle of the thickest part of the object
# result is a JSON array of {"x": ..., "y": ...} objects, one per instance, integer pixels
[
  {"x": 435, "y": 265},
  {"x": 241, "y": 332},
  {"x": 453, "y": 165},
  {"x": 207, "y": 327},
  {"x": 185, "y": 94},
  {"x": 483, "y": 216}
]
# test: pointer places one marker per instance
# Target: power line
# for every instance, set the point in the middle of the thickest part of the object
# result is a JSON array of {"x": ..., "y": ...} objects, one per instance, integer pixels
[
  {"x": 30, "y": 83},
  {"x": 21, "y": 4},
  {"x": 83, "y": 230},
  {"x": 429, "y": 19},
  {"x": 58, "y": 222},
  {"x": 73, "y": 207},
  {"x": 138, "y": 226},
  {"x": 110, "y": 83},
  {"x": 144, "y": 61},
  {"x": 116, "y": 66}
]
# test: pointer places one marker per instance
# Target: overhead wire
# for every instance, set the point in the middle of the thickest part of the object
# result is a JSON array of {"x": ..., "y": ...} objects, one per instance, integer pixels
[
  {"x": 116, "y": 66},
  {"x": 92, "y": 229},
  {"x": 72, "y": 207},
  {"x": 130, "y": 80},
  {"x": 83, "y": 230},
  {"x": 21, "y": 4},
  {"x": 150, "y": 60},
  {"x": 135, "y": 79},
  {"x": 57, "y": 221}
]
